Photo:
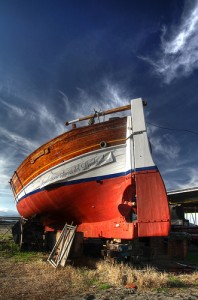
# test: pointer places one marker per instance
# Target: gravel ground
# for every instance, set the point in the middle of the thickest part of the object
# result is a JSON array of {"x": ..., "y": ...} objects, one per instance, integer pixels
[{"x": 128, "y": 294}]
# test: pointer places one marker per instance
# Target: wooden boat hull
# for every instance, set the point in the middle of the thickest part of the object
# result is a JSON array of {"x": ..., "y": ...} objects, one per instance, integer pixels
[{"x": 101, "y": 177}]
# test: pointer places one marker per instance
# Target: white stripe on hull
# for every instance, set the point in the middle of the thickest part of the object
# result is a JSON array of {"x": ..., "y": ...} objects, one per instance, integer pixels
[{"x": 111, "y": 160}]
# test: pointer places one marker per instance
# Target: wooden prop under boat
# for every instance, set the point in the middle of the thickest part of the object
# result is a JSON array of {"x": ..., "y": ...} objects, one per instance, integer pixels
[{"x": 100, "y": 177}]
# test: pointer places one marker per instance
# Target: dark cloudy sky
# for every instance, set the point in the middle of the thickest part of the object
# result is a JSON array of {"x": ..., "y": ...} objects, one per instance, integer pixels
[{"x": 62, "y": 59}]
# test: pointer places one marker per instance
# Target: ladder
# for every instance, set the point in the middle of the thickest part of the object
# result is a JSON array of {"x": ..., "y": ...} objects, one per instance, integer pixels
[{"x": 61, "y": 250}]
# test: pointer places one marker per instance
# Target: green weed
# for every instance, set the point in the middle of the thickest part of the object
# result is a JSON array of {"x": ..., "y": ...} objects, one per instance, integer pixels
[
  {"x": 173, "y": 281},
  {"x": 8, "y": 249},
  {"x": 104, "y": 286},
  {"x": 162, "y": 290}
]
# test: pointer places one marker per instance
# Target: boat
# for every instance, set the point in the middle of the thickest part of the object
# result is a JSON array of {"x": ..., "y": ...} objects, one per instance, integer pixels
[{"x": 100, "y": 177}]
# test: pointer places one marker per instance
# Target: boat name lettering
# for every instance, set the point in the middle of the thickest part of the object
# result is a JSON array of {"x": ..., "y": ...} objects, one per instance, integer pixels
[{"x": 63, "y": 172}]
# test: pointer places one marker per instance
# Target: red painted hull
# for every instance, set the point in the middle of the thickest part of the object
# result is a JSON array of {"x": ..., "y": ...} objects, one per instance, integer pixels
[{"x": 100, "y": 208}]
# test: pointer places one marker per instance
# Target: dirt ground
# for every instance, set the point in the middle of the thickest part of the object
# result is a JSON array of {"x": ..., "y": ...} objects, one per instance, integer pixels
[
  {"x": 30, "y": 276},
  {"x": 37, "y": 280}
]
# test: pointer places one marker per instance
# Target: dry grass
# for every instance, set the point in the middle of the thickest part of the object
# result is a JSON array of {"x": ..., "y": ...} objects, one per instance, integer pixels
[
  {"x": 30, "y": 276},
  {"x": 123, "y": 274},
  {"x": 148, "y": 278},
  {"x": 37, "y": 279},
  {"x": 189, "y": 279}
]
